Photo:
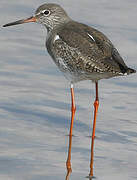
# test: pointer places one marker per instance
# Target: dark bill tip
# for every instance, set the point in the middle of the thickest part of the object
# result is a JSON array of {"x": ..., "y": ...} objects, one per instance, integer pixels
[
  {"x": 14, "y": 23},
  {"x": 31, "y": 19}
]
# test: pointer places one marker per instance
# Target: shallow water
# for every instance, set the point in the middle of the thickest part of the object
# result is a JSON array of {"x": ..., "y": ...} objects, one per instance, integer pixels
[{"x": 35, "y": 99}]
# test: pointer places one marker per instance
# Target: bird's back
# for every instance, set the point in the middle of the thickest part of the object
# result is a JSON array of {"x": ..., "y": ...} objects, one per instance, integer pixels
[{"x": 85, "y": 53}]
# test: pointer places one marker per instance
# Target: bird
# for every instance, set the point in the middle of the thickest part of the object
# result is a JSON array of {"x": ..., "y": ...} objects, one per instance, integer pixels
[{"x": 81, "y": 52}]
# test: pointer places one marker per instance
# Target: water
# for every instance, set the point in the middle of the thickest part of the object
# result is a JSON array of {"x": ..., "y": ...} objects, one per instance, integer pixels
[{"x": 35, "y": 99}]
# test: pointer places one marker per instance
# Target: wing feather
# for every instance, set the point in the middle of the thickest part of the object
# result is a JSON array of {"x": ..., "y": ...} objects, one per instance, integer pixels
[{"x": 94, "y": 47}]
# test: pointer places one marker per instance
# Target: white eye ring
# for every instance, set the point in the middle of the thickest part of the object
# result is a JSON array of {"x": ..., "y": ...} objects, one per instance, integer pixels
[{"x": 46, "y": 12}]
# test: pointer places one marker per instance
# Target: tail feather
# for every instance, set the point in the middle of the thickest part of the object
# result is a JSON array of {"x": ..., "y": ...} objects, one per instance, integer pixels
[{"x": 130, "y": 71}]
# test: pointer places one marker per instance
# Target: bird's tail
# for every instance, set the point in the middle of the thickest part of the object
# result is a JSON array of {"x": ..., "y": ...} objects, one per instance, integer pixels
[{"x": 130, "y": 71}]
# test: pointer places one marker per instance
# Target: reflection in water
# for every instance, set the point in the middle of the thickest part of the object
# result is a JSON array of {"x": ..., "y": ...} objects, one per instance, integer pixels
[{"x": 68, "y": 162}]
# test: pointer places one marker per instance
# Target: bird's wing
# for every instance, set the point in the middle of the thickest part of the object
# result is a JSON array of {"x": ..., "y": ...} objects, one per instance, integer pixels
[{"x": 95, "y": 48}]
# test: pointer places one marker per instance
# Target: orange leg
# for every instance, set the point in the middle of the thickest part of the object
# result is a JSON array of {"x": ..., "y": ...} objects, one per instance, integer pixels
[
  {"x": 96, "y": 104},
  {"x": 68, "y": 163},
  {"x": 92, "y": 158},
  {"x": 73, "y": 109}
]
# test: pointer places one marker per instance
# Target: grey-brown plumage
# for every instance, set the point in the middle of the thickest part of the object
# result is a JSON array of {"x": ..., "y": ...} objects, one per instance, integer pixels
[{"x": 81, "y": 52}]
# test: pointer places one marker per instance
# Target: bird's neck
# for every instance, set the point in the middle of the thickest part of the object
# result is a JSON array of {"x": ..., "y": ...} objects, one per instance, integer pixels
[{"x": 57, "y": 24}]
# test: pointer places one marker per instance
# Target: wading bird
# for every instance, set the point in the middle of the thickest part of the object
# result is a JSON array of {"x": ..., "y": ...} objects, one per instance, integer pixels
[{"x": 80, "y": 52}]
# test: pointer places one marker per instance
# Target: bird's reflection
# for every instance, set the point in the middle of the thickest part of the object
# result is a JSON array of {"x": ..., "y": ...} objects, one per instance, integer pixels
[{"x": 68, "y": 162}]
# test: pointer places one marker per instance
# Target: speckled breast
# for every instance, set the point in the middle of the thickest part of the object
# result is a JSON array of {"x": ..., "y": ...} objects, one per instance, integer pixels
[{"x": 67, "y": 58}]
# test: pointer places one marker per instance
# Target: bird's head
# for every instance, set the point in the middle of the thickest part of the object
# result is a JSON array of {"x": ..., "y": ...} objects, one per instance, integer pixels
[{"x": 50, "y": 15}]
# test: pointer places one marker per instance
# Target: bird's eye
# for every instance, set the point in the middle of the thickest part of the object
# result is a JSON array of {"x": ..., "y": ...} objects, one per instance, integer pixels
[{"x": 46, "y": 12}]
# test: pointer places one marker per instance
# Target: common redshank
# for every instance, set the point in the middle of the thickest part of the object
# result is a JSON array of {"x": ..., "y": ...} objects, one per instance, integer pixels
[{"x": 80, "y": 52}]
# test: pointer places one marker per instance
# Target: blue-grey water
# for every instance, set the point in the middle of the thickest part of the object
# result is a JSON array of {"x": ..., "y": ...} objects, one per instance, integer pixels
[{"x": 35, "y": 98}]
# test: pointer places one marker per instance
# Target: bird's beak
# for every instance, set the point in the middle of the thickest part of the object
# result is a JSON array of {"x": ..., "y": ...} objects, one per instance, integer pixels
[{"x": 31, "y": 19}]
